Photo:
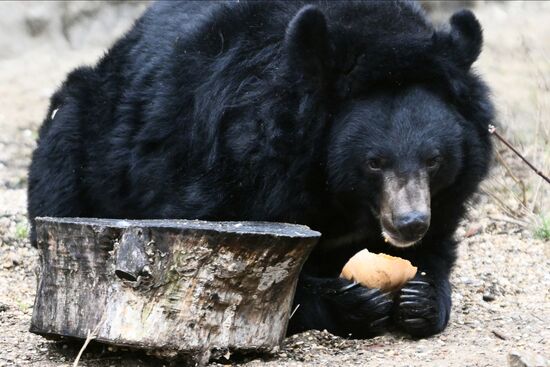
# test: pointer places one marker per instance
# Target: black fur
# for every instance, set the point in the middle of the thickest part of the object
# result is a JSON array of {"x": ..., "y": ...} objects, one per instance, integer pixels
[{"x": 269, "y": 111}]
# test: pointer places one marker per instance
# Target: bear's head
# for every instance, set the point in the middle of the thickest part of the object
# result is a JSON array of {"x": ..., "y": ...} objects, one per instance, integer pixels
[
  {"x": 409, "y": 116},
  {"x": 390, "y": 152}
]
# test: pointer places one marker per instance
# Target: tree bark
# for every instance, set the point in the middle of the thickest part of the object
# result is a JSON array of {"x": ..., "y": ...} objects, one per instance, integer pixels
[{"x": 174, "y": 287}]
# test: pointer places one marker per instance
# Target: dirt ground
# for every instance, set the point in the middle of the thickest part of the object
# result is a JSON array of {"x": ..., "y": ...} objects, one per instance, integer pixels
[{"x": 501, "y": 297}]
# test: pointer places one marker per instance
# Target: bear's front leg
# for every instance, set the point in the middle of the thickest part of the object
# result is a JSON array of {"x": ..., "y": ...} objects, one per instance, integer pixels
[
  {"x": 341, "y": 307},
  {"x": 423, "y": 305}
]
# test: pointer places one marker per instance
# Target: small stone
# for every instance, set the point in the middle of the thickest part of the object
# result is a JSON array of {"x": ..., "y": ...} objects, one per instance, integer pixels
[
  {"x": 526, "y": 359},
  {"x": 473, "y": 230},
  {"x": 487, "y": 297}
]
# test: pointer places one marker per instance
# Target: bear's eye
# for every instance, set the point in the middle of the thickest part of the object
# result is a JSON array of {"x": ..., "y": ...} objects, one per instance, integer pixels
[
  {"x": 433, "y": 162},
  {"x": 375, "y": 164}
]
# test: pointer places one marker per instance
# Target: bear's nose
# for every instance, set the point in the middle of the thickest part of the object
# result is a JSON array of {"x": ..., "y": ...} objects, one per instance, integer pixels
[{"x": 413, "y": 225}]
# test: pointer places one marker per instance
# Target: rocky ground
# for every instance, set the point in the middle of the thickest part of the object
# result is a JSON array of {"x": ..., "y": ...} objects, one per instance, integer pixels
[{"x": 502, "y": 279}]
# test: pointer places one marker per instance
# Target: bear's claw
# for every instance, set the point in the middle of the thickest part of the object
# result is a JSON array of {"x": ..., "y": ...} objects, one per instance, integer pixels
[
  {"x": 417, "y": 309},
  {"x": 361, "y": 312}
]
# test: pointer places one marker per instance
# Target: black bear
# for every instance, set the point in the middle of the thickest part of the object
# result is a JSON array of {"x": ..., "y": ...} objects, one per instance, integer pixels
[{"x": 358, "y": 119}]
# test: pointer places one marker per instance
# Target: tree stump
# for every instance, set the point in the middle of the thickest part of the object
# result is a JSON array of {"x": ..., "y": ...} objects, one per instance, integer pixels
[{"x": 173, "y": 287}]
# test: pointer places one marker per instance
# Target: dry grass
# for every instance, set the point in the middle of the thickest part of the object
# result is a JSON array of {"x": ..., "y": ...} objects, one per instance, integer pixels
[{"x": 522, "y": 96}]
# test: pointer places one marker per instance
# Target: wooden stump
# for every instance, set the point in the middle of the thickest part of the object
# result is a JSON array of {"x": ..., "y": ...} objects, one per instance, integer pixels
[{"x": 173, "y": 287}]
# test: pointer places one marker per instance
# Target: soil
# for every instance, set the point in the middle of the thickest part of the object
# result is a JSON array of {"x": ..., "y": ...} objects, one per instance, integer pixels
[{"x": 501, "y": 298}]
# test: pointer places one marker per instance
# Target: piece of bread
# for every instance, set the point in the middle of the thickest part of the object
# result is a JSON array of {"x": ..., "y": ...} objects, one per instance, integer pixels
[{"x": 385, "y": 272}]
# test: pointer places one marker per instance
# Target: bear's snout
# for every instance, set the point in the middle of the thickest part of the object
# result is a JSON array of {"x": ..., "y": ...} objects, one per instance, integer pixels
[{"x": 405, "y": 208}]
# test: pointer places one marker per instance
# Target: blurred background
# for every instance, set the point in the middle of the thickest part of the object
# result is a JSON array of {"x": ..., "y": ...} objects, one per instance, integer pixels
[{"x": 505, "y": 251}]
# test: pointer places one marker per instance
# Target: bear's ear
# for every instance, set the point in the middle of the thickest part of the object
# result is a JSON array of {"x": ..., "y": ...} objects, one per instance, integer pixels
[
  {"x": 466, "y": 37},
  {"x": 307, "y": 42}
]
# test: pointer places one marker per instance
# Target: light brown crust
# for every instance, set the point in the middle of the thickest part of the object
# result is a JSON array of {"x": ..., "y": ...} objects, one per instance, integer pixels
[{"x": 382, "y": 271}]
